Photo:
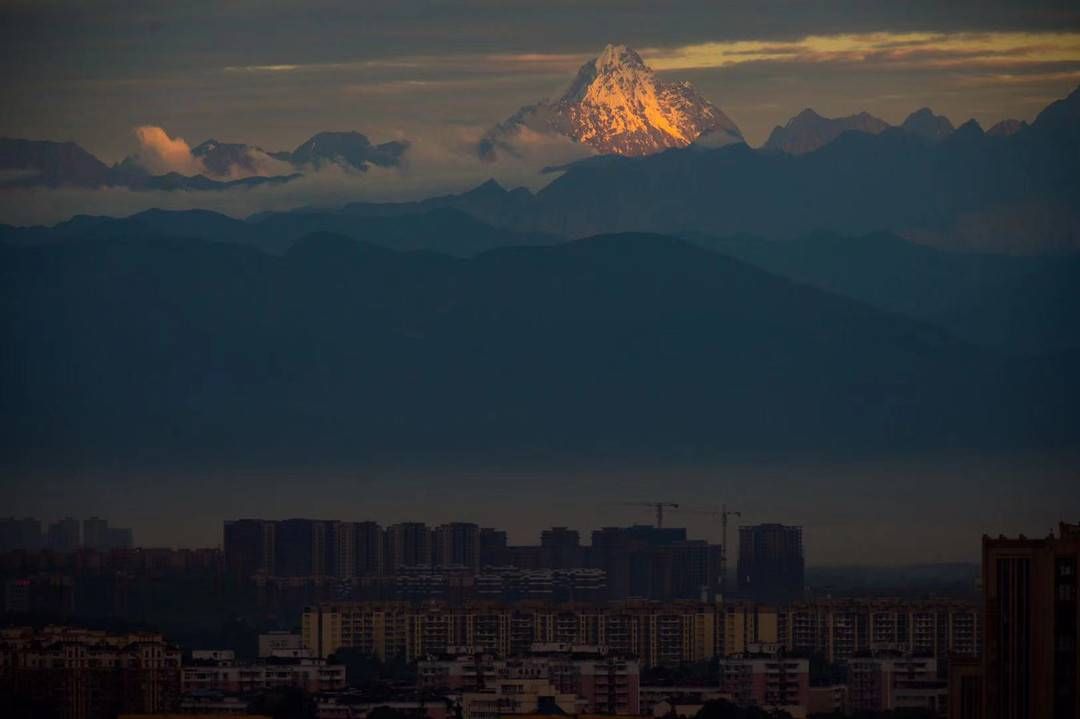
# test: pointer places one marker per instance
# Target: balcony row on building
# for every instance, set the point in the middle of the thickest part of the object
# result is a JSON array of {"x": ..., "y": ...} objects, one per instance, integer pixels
[{"x": 653, "y": 633}]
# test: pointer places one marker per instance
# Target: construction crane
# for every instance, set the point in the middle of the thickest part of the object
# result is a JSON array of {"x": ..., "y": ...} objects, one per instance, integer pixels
[
  {"x": 721, "y": 514},
  {"x": 658, "y": 506}
]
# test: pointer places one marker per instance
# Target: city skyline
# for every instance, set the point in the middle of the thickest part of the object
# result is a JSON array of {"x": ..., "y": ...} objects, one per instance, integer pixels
[{"x": 576, "y": 494}]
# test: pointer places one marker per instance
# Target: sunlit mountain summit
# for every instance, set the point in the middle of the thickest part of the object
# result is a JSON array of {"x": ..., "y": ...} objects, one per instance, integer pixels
[{"x": 617, "y": 105}]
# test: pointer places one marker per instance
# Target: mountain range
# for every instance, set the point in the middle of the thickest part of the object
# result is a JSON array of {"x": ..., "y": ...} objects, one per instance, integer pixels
[
  {"x": 1017, "y": 192},
  {"x": 632, "y": 343},
  {"x": 1013, "y": 304},
  {"x": 225, "y": 165},
  {"x": 809, "y": 131}
]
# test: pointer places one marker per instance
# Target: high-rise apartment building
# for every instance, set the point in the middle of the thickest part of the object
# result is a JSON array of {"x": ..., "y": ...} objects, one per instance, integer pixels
[
  {"x": 64, "y": 535},
  {"x": 456, "y": 544},
  {"x": 636, "y": 560},
  {"x": 370, "y": 551},
  {"x": 408, "y": 544},
  {"x": 119, "y": 538},
  {"x": 562, "y": 548},
  {"x": 965, "y": 688},
  {"x": 249, "y": 547},
  {"x": 302, "y": 548},
  {"x": 22, "y": 534},
  {"x": 95, "y": 532},
  {"x": 1030, "y": 663},
  {"x": 494, "y": 549},
  {"x": 771, "y": 564},
  {"x": 340, "y": 550}
]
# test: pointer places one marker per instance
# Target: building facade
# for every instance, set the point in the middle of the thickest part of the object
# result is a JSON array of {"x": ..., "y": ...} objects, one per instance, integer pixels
[
  {"x": 605, "y": 683},
  {"x": 771, "y": 565},
  {"x": 887, "y": 682},
  {"x": 1032, "y": 615},
  {"x": 654, "y": 633},
  {"x": 84, "y": 674},
  {"x": 764, "y": 677}
]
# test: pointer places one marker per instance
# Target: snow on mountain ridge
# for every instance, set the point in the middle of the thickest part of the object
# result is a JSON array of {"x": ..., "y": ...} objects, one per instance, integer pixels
[{"x": 616, "y": 104}]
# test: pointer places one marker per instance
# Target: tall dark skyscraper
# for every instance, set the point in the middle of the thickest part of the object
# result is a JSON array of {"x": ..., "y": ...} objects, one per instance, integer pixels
[
  {"x": 408, "y": 544},
  {"x": 771, "y": 563},
  {"x": 22, "y": 533},
  {"x": 494, "y": 551},
  {"x": 249, "y": 547},
  {"x": 562, "y": 547},
  {"x": 1030, "y": 667},
  {"x": 635, "y": 558},
  {"x": 300, "y": 548},
  {"x": 370, "y": 553},
  {"x": 64, "y": 535},
  {"x": 457, "y": 543},
  {"x": 95, "y": 533}
]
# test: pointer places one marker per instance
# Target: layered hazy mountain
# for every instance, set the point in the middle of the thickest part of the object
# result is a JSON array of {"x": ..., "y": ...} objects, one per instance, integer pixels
[
  {"x": 925, "y": 123},
  {"x": 50, "y": 164},
  {"x": 808, "y": 131},
  {"x": 1006, "y": 128},
  {"x": 617, "y": 105},
  {"x": 625, "y": 344},
  {"x": 349, "y": 149},
  {"x": 210, "y": 165},
  {"x": 969, "y": 190}
]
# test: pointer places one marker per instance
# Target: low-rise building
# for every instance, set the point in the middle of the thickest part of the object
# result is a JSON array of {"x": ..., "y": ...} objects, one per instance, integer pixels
[
  {"x": 663, "y": 701},
  {"x": 607, "y": 684},
  {"x": 280, "y": 644},
  {"x": 764, "y": 677},
  {"x": 890, "y": 681},
  {"x": 504, "y": 697},
  {"x": 74, "y": 672},
  {"x": 217, "y": 671}
]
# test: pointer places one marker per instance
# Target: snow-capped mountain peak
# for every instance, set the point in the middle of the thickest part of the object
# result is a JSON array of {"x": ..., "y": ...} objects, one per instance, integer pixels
[{"x": 617, "y": 105}]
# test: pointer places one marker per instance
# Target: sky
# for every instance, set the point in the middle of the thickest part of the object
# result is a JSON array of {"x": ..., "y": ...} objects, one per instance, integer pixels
[{"x": 273, "y": 74}]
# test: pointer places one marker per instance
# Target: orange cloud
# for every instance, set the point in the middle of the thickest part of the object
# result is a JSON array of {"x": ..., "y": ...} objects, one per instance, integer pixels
[
  {"x": 160, "y": 153},
  {"x": 912, "y": 49}
]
